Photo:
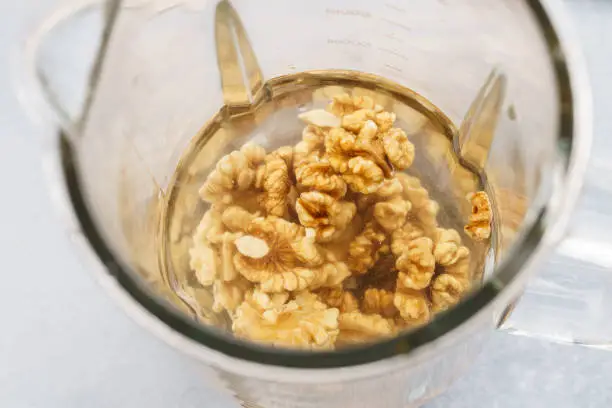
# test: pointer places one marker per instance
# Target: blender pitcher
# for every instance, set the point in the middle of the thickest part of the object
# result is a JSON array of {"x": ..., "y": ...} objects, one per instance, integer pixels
[{"x": 128, "y": 106}]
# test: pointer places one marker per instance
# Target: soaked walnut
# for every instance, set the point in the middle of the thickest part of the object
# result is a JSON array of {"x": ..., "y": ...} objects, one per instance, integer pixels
[
  {"x": 211, "y": 228},
  {"x": 398, "y": 148},
  {"x": 303, "y": 322},
  {"x": 378, "y": 301},
  {"x": 447, "y": 290},
  {"x": 364, "y": 251},
  {"x": 356, "y": 120},
  {"x": 387, "y": 190},
  {"x": 363, "y": 175},
  {"x": 423, "y": 207},
  {"x": 235, "y": 218},
  {"x": 228, "y": 295},
  {"x": 289, "y": 264},
  {"x": 361, "y": 163},
  {"x": 317, "y": 174},
  {"x": 416, "y": 265},
  {"x": 313, "y": 139},
  {"x": 448, "y": 249},
  {"x": 285, "y": 153},
  {"x": 356, "y": 327},
  {"x": 234, "y": 172},
  {"x": 450, "y": 286},
  {"x": 404, "y": 236},
  {"x": 326, "y": 243},
  {"x": 205, "y": 262},
  {"x": 461, "y": 268},
  {"x": 324, "y": 213},
  {"x": 276, "y": 185},
  {"x": 479, "y": 222},
  {"x": 391, "y": 214},
  {"x": 344, "y": 104},
  {"x": 339, "y": 298},
  {"x": 413, "y": 306}
]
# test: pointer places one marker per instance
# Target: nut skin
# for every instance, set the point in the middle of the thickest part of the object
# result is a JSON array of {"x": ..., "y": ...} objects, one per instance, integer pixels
[{"x": 479, "y": 222}]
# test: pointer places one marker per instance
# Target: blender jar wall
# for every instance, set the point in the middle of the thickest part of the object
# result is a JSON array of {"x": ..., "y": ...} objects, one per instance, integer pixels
[
  {"x": 158, "y": 86},
  {"x": 159, "y": 83}
]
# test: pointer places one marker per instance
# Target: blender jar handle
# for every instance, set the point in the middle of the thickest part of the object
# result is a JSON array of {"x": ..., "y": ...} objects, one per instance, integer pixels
[{"x": 42, "y": 100}]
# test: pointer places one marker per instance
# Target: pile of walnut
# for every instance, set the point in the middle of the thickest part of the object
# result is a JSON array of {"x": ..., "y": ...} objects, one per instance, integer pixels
[{"x": 327, "y": 243}]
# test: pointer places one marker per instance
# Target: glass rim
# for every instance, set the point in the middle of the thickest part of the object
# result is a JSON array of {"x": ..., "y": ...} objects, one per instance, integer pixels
[{"x": 505, "y": 273}]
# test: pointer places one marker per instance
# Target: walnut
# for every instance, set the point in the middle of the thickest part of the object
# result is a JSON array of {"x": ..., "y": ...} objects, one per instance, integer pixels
[
  {"x": 341, "y": 299},
  {"x": 287, "y": 261},
  {"x": 447, "y": 291},
  {"x": 403, "y": 236},
  {"x": 344, "y": 104},
  {"x": 297, "y": 279},
  {"x": 279, "y": 256},
  {"x": 260, "y": 245},
  {"x": 313, "y": 139},
  {"x": 234, "y": 172},
  {"x": 378, "y": 301},
  {"x": 228, "y": 295},
  {"x": 336, "y": 271},
  {"x": 448, "y": 249},
  {"x": 398, "y": 148},
  {"x": 424, "y": 208},
  {"x": 356, "y": 120},
  {"x": 413, "y": 306},
  {"x": 228, "y": 249},
  {"x": 391, "y": 214},
  {"x": 339, "y": 146},
  {"x": 416, "y": 265},
  {"x": 314, "y": 136},
  {"x": 386, "y": 190},
  {"x": 236, "y": 218},
  {"x": 363, "y": 175},
  {"x": 461, "y": 267},
  {"x": 317, "y": 174},
  {"x": 364, "y": 251},
  {"x": 211, "y": 227},
  {"x": 385, "y": 120},
  {"x": 356, "y": 327},
  {"x": 303, "y": 322},
  {"x": 368, "y": 132},
  {"x": 276, "y": 185},
  {"x": 361, "y": 163},
  {"x": 324, "y": 213},
  {"x": 205, "y": 262},
  {"x": 479, "y": 222},
  {"x": 285, "y": 153}
]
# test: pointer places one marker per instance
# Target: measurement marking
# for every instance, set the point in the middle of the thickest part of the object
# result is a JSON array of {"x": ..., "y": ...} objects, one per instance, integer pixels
[
  {"x": 396, "y": 24},
  {"x": 392, "y": 52},
  {"x": 349, "y": 12},
  {"x": 395, "y": 7},
  {"x": 346, "y": 41},
  {"x": 393, "y": 67}
]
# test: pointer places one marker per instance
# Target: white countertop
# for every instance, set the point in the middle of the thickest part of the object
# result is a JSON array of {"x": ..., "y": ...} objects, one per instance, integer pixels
[{"x": 65, "y": 344}]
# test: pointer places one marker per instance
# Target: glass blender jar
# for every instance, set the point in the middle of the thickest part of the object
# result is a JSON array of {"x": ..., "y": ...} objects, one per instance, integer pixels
[{"x": 163, "y": 72}]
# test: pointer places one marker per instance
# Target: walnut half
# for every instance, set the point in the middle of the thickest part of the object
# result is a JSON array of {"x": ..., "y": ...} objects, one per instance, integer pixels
[{"x": 479, "y": 222}]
